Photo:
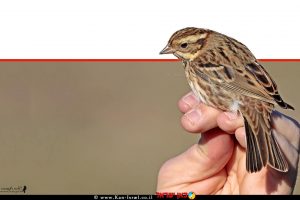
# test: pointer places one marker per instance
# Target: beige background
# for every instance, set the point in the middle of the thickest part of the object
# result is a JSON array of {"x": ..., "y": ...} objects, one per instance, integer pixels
[{"x": 84, "y": 128}]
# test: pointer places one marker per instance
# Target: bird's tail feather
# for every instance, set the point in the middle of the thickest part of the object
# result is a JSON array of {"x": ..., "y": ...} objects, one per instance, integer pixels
[
  {"x": 276, "y": 158},
  {"x": 262, "y": 147}
]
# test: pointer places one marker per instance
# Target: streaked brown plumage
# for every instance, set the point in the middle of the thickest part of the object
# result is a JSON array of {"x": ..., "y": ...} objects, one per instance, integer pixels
[{"x": 223, "y": 73}]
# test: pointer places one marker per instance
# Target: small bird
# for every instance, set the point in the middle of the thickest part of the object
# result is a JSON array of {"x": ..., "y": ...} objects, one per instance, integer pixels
[{"x": 223, "y": 73}]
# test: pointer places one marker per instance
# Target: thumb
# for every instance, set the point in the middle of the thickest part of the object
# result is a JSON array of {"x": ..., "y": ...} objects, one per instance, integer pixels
[
  {"x": 214, "y": 151},
  {"x": 195, "y": 169}
]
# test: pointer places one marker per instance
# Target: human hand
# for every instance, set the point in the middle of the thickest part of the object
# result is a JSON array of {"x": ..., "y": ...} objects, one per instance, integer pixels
[{"x": 217, "y": 164}]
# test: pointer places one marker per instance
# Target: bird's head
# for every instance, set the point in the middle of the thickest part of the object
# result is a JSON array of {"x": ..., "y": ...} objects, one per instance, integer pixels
[{"x": 186, "y": 44}]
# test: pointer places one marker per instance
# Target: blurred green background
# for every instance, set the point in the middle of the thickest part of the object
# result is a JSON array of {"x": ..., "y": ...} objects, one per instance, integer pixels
[{"x": 99, "y": 127}]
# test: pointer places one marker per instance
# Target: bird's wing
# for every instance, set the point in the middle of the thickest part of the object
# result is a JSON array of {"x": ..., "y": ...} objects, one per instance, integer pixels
[
  {"x": 250, "y": 81},
  {"x": 266, "y": 82}
]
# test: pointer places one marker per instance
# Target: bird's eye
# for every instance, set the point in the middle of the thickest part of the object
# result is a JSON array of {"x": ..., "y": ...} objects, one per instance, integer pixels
[{"x": 184, "y": 45}]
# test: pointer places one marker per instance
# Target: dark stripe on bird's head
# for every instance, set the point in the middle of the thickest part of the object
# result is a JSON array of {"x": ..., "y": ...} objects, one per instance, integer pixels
[{"x": 187, "y": 32}]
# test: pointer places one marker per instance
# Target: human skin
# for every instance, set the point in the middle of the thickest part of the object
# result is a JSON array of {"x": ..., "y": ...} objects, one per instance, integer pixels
[{"x": 217, "y": 163}]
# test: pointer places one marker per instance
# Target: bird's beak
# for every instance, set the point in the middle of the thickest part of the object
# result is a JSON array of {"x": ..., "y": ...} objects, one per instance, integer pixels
[{"x": 167, "y": 50}]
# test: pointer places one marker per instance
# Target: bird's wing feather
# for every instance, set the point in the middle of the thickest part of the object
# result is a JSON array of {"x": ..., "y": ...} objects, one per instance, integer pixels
[
  {"x": 241, "y": 81},
  {"x": 266, "y": 83},
  {"x": 262, "y": 77}
]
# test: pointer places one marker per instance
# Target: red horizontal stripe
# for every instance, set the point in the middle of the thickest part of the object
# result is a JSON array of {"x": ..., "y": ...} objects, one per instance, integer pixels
[{"x": 124, "y": 60}]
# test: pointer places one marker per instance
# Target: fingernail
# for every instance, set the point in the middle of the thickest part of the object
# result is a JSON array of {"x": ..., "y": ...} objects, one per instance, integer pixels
[
  {"x": 193, "y": 116},
  {"x": 231, "y": 115},
  {"x": 189, "y": 99}
]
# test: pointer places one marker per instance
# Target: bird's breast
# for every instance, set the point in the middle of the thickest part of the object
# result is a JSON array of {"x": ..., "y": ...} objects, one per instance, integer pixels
[{"x": 210, "y": 93}]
